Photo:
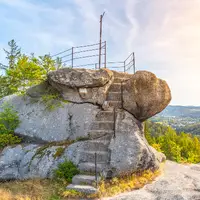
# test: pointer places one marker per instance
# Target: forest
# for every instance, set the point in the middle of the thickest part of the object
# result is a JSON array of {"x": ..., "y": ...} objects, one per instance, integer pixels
[{"x": 177, "y": 146}]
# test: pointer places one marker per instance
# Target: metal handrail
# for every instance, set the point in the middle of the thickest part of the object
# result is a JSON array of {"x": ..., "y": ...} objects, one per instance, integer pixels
[{"x": 126, "y": 65}]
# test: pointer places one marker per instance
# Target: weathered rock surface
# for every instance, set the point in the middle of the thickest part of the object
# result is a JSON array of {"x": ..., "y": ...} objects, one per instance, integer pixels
[
  {"x": 29, "y": 161},
  {"x": 178, "y": 182},
  {"x": 80, "y": 78},
  {"x": 67, "y": 122},
  {"x": 82, "y": 85},
  {"x": 129, "y": 148},
  {"x": 144, "y": 95}
]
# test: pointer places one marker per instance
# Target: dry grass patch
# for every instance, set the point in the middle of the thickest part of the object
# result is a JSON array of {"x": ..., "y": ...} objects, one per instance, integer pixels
[
  {"x": 115, "y": 186},
  {"x": 31, "y": 190}
]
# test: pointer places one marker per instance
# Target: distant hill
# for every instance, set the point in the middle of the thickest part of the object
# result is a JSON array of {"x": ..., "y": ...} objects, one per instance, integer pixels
[{"x": 181, "y": 111}]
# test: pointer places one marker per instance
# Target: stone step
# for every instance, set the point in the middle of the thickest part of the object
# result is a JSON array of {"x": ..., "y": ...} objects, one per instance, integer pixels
[
  {"x": 97, "y": 145},
  {"x": 87, "y": 189},
  {"x": 104, "y": 116},
  {"x": 100, "y": 133},
  {"x": 118, "y": 80},
  {"x": 102, "y": 125},
  {"x": 115, "y": 104},
  {"x": 114, "y": 96},
  {"x": 81, "y": 179},
  {"x": 90, "y": 167},
  {"x": 122, "y": 75},
  {"x": 115, "y": 87},
  {"x": 89, "y": 156}
]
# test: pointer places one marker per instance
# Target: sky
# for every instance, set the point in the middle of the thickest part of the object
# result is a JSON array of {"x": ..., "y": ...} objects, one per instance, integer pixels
[{"x": 164, "y": 34}]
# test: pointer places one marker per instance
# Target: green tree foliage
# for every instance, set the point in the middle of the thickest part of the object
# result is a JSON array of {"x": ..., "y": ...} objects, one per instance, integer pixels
[
  {"x": 12, "y": 54},
  {"x": 24, "y": 71},
  {"x": 179, "y": 147},
  {"x": 9, "y": 119}
]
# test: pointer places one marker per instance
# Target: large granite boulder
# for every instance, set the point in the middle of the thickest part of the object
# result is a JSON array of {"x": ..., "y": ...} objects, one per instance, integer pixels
[
  {"x": 82, "y": 85},
  {"x": 66, "y": 122},
  {"x": 29, "y": 161},
  {"x": 80, "y": 78},
  {"x": 144, "y": 95},
  {"x": 129, "y": 149}
]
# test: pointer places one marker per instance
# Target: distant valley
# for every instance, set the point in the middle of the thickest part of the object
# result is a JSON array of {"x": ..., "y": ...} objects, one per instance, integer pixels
[{"x": 181, "y": 118}]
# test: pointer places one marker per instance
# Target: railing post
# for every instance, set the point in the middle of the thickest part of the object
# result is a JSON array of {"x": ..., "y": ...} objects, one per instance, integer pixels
[
  {"x": 124, "y": 66},
  {"x": 122, "y": 94},
  {"x": 72, "y": 57},
  {"x": 95, "y": 160},
  {"x": 114, "y": 116},
  {"x": 105, "y": 56}
]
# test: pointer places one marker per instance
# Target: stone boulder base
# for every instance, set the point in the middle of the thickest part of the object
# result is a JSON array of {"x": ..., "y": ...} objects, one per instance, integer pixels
[
  {"x": 82, "y": 85},
  {"x": 26, "y": 162},
  {"x": 144, "y": 95},
  {"x": 129, "y": 149},
  {"x": 67, "y": 122}
]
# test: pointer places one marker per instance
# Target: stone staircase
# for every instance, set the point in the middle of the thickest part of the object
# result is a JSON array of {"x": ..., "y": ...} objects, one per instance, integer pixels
[{"x": 101, "y": 132}]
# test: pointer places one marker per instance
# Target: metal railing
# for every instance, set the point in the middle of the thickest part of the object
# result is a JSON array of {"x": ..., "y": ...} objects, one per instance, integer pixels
[
  {"x": 87, "y": 56},
  {"x": 75, "y": 56}
]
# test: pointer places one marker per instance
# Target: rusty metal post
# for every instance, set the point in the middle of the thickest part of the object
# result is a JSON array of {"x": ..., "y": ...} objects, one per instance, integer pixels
[
  {"x": 95, "y": 162},
  {"x": 105, "y": 56},
  {"x": 72, "y": 57},
  {"x": 133, "y": 63},
  {"x": 114, "y": 116},
  {"x": 101, "y": 18}
]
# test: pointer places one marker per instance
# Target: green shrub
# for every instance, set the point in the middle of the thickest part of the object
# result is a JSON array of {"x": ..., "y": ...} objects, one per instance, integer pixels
[
  {"x": 9, "y": 119},
  {"x": 8, "y": 139},
  {"x": 66, "y": 171}
]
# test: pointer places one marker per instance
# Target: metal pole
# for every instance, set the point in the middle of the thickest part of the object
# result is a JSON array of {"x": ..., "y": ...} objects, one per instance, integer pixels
[
  {"x": 101, "y": 17},
  {"x": 105, "y": 56},
  {"x": 124, "y": 66},
  {"x": 122, "y": 94},
  {"x": 114, "y": 116},
  {"x": 133, "y": 63},
  {"x": 72, "y": 57},
  {"x": 95, "y": 159}
]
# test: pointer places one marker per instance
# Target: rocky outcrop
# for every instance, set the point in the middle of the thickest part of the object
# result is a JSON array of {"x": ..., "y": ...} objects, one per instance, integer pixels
[
  {"x": 29, "y": 161},
  {"x": 66, "y": 122},
  {"x": 144, "y": 95},
  {"x": 82, "y": 85},
  {"x": 129, "y": 149},
  {"x": 113, "y": 129},
  {"x": 178, "y": 182}
]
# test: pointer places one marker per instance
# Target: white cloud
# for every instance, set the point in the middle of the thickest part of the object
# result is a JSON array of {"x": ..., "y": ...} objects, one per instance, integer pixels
[{"x": 165, "y": 35}]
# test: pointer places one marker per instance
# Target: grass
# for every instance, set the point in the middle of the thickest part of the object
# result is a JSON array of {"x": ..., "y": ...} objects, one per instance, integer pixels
[
  {"x": 31, "y": 190},
  {"x": 52, "y": 190},
  {"x": 115, "y": 186}
]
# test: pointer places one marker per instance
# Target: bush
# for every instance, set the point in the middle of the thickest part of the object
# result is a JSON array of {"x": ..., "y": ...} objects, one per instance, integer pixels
[
  {"x": 66, "y": 171},
  {"x": 9, "y": 119},
  {"x": 8, "y": 139}
]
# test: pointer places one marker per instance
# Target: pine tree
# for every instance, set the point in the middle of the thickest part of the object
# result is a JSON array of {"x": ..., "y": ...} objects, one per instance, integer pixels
[{"x": 12, "y": 54}]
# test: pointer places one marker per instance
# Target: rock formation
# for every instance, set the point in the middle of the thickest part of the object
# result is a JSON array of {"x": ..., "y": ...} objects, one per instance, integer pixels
[
  {"x": 144, "y": 95},
  {"x": 105, "y": 107}
]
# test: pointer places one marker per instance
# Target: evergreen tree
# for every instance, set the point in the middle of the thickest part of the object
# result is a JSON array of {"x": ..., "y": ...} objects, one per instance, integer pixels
[{"x": 13, "y": 53}]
